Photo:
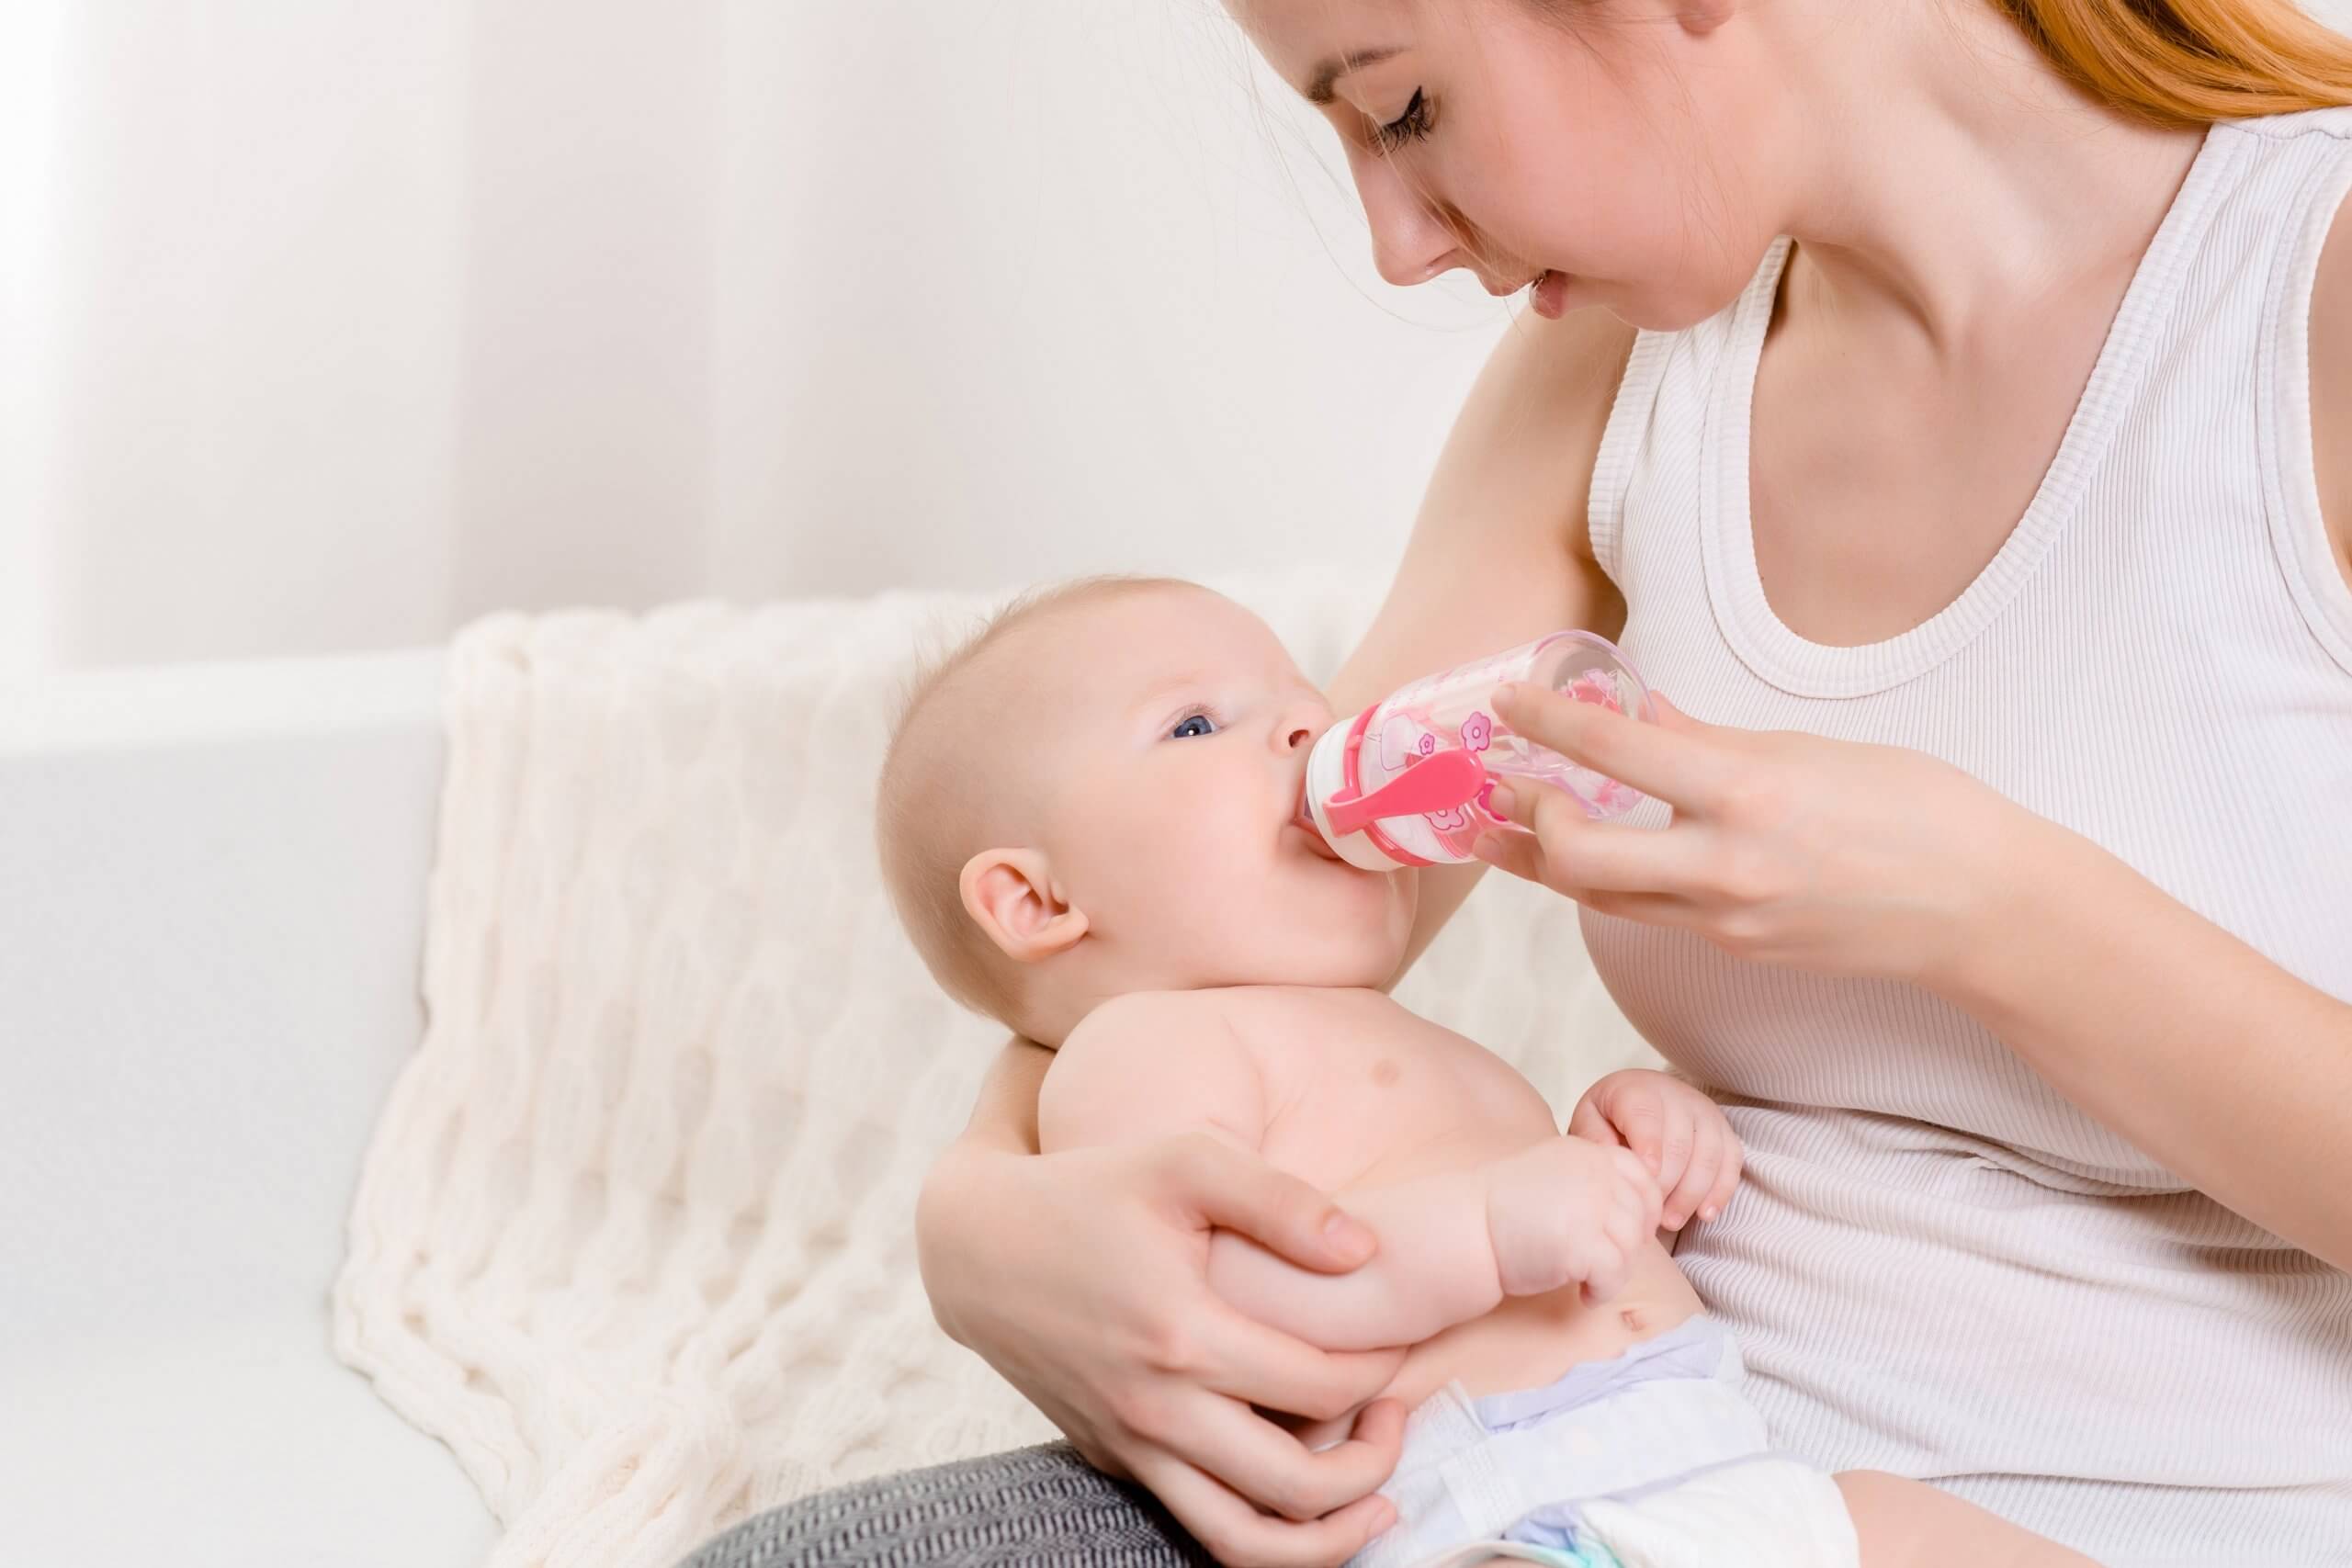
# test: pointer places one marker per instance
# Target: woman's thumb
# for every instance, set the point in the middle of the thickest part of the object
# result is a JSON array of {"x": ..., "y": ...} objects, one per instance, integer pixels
[
  {"x": 1672, "y": 718},
  {"x": 1238, "y": 1192}
]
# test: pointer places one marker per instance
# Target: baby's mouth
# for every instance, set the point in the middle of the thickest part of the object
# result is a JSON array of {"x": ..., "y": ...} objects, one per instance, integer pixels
[{"x": 1304, "y": 820}]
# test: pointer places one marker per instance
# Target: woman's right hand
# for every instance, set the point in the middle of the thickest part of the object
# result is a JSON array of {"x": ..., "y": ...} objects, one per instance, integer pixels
[{"x": 1081, "y": 1277}]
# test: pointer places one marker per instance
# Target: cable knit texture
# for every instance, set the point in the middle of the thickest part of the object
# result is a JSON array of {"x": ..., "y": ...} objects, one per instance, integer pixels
[{"x": 635, "y": 1235}]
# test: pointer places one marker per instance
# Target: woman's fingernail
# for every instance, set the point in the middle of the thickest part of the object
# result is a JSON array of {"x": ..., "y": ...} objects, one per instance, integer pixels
[
  {"x": 1345, "y": 1234},
  {"x": 1505, "y": 697},
  {"x": 1708, "y": 1212},
  {"x": 1501, "y": 800}
]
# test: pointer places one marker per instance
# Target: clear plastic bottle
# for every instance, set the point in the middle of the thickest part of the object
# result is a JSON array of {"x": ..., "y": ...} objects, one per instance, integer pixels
[{"x": 1405, "y": 783}]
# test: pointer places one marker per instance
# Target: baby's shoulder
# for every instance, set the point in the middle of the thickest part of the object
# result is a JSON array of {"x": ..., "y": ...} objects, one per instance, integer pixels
[
  {"x": 1146, "y": 1063},
  {"x": 1145, "y": 1019}
]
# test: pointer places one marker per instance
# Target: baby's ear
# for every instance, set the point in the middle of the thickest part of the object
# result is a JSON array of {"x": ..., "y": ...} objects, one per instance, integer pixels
[{"x": 1010, "y": 894}]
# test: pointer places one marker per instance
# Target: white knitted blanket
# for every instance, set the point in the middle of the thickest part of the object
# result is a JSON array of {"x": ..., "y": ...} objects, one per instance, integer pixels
[{"x": 635, "y": 1235}]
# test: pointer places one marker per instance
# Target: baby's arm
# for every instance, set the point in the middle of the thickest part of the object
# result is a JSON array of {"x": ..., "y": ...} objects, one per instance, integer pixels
[{"x": 1451, "y": 1245}]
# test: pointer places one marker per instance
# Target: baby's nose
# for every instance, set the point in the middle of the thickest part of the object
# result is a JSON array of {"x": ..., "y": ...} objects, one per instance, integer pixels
[{"x": 1298, "y": 738}]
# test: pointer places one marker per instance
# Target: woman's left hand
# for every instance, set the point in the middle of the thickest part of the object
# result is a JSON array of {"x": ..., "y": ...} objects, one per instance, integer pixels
[{"x": 1787, "y": 848}]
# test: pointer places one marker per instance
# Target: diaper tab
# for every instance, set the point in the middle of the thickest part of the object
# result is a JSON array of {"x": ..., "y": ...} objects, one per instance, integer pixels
[
  {"x": 1487, "y": 1495},
  {"x": 1447, "y": 1488}
]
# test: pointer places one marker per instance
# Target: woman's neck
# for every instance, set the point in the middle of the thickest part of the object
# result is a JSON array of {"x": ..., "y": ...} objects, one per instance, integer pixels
[{"x": 1953, "y": 179}]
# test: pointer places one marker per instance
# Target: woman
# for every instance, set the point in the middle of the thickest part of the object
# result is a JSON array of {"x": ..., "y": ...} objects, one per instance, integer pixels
[{"x": 1999, "y": 533}]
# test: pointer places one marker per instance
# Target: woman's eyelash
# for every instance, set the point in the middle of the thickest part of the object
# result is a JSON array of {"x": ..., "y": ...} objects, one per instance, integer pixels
[{"x": 1410, "y": 126}]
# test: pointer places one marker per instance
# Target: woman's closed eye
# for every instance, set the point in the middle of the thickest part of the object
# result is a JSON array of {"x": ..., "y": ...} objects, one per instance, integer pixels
[{"x": 1411, "y": 126}]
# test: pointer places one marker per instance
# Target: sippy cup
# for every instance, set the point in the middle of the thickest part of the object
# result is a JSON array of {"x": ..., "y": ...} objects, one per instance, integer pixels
[{"x": 1405, "y": 783}]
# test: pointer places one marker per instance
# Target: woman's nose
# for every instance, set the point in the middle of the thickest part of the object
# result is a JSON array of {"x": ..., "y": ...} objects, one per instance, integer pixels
[{"x": 1410, "y": 244}]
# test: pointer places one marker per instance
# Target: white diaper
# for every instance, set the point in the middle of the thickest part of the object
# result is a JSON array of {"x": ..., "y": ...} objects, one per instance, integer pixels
[{"x": 1653, "y": 1459}]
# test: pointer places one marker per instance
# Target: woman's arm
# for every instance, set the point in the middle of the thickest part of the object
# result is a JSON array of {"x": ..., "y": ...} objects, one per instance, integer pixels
[
  {"x": 1796, "y": 849},
  {"x": 1501, "y": 551},
  {"x": 2231, "y": 1071}
]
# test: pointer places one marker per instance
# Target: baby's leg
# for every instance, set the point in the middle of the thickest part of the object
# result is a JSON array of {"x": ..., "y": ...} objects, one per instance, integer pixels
[{"x": 1908, "y": 1524}]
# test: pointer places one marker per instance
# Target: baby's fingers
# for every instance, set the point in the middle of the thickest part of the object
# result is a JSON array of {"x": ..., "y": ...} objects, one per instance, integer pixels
[
  {"x": 1691, "y": 1194},
  {"x": 1639, "y": 1118},
  {"x": 1627, "y": 1230},
  {"x": 1727, "y": 1179},
  {"x": 1678, "y": 1142},
  {"x": 1634, "y": 1178},
  {"x": 1588, "y": 1123},
  {"x": 1604, "y": 1270}
]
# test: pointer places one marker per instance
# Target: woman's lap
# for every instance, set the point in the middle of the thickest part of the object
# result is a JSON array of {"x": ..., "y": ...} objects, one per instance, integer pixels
[{"x": 1042, "y": 1506}]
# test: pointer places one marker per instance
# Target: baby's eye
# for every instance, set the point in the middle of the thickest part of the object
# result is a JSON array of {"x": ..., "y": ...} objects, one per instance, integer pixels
[{"x": 1198, "y": 724}]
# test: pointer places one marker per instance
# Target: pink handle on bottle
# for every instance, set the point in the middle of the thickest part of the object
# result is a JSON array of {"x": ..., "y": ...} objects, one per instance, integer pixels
[{"x": 1434, "y": 784}]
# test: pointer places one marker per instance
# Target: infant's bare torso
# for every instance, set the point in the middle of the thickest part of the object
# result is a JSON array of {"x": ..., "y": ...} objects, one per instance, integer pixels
[{"x": 1363, "y": 1093}]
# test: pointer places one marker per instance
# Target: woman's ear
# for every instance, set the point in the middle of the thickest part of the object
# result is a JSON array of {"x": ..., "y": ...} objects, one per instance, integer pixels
[{"x": 1010, "y": 894}]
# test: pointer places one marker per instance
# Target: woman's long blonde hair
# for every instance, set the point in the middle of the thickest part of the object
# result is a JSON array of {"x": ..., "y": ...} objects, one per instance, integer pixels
[{"x": 2189, "y": 63}]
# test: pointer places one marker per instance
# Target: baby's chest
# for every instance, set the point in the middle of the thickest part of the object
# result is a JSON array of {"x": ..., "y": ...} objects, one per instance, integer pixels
[{"x": 1387, "y": 1101}]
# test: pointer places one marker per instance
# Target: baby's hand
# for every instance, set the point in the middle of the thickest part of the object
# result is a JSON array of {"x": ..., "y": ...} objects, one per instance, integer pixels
[
  {"x": 1569, "y": 1210},
  {"x": 1679, "y": 1133}
]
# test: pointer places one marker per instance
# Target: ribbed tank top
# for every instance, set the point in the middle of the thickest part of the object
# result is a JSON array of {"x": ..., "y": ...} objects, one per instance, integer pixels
[{"x": 1936, "y": 1264}]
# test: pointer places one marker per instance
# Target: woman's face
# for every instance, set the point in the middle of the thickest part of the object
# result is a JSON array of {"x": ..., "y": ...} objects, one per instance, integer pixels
[{"x": 1607, "y": 142}]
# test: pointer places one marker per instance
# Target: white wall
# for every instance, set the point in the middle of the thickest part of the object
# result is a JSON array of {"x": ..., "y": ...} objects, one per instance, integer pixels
[{"x": 331, "y": 323}]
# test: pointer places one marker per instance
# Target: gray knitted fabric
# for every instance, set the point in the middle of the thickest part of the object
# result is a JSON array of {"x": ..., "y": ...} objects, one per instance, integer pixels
[{"x": 1043, "y": 1507}]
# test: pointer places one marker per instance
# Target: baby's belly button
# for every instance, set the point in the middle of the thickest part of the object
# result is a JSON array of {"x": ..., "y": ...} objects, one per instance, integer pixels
[{"x": 1533, "y": 1340}]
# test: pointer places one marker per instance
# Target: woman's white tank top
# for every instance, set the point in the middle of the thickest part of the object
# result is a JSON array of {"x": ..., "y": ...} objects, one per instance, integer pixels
[{"x": 1937, "y": 1266}]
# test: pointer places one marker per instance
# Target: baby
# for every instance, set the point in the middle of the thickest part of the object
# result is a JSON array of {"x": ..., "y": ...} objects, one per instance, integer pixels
[{"x": 1088, "y": 821}]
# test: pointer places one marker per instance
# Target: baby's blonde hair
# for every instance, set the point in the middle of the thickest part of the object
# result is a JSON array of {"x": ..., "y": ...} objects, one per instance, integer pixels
[{"x": 931, "y": 804}]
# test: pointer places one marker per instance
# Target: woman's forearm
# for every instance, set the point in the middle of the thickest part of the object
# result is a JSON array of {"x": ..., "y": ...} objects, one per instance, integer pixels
[
  {"x": 1003, "y": 1123},
  {"x": 2232, "y": 1072},
  {"x": 1004, "y": 1117}
]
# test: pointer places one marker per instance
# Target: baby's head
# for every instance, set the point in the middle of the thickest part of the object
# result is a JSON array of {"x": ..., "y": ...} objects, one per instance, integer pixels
[{"x": 1095, "y": 796}]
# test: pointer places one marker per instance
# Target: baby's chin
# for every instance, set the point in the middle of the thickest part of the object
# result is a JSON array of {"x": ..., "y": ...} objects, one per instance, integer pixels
[
  {"x": 1311, "y": 924},
  {"x": 1355, "y": 941},
  {"x": 1273, "y": 952}
]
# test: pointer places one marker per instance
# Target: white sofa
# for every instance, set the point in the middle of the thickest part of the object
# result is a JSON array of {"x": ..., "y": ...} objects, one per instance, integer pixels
[{"x": 214, "y": 879}]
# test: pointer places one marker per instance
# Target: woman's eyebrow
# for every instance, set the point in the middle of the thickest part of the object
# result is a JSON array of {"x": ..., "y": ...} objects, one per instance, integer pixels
[{"x": 1327, "y": 75}]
